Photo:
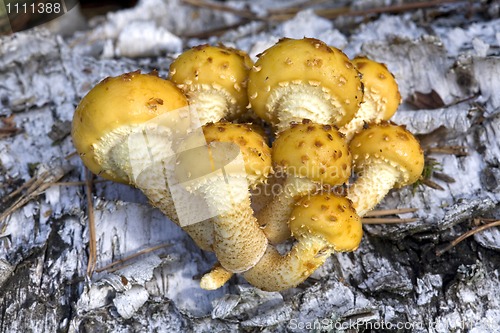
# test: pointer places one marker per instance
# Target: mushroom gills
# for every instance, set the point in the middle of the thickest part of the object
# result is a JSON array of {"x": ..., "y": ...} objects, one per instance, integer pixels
[
  {"x": 376, "y": 180},
  {"x": 294, "y": 101},
  {"x": 213, "y": 101}
]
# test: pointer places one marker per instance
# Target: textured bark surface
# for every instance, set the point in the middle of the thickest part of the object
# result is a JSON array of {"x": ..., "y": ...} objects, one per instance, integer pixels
[{"x": 395, "y": 277}]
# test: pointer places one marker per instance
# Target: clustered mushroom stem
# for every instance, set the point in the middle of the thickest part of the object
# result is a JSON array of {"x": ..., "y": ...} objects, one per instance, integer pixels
[
  {"x": 274, "y": 216},
  {"x": 153, "y": 183},
  {"x": 275, "y": 272},
  {"x": 239, "y": 243},
  {"x": 216, "y": 278},
  {"x": 376, "y": 180}
]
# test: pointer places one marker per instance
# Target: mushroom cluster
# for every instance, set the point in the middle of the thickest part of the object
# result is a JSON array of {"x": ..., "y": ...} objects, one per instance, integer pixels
[{"x": 186, "y": 142}]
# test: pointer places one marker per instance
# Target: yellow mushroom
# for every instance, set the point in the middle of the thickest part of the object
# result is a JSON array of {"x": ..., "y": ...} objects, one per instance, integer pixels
[
  {"x": 214, "y": 79},
  {"x": 111, "y": 119},
  {"x": 239, "y": 242},
  {"x": 384, "y": 156},
  {"x": 322, "y": 224},
  {"x": 381, "y": 96},
  {"x": 304, "y": 79},
  {"x": 309, "y": 155}
]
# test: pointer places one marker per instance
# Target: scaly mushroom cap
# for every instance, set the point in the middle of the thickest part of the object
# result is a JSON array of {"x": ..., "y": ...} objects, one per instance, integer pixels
[
  {"x": 329, "y": 216},
  {"x": 255, "y": 151},
  {"x": 214, "y": 70},
  {"x": 381, "y": 93},
  {"x": 390, "y": 143},
  {"x": 320, "y": 71},
  {"x": 225, "y": 140},
  {"x": 314, "y": 151},
  {"x": 111, "y": 108}
]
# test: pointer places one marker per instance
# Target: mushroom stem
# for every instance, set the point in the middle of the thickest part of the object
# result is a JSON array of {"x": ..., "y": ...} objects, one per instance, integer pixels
[
  {"x": 239, "y": 243},
  {"x": 274, "y": 216},
  {"x": 322, "y": 224},
  {"x": 298, "y": 100},
  {"x": 152, "y": 181},
  {"x": 216, "y": 278},
  {"x": 372, "y": 185},
  {"x": 275, "y": 272}
]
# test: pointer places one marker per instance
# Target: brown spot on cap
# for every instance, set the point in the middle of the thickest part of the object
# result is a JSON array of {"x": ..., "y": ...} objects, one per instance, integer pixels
[
  {"x": 361, "y": 64},
  {"x": 318, "y": 143},
  {"x": 403, "y": 136}
]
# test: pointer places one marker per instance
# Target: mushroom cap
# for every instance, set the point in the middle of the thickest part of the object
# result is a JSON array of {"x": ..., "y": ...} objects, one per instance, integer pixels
[
  {"x": 129, "y": 99},
  {"x": 306, "y": 61},
  {"x": 329, "y": 216},
  {"x": 215, "y": 67},
  {"x": 255, "y": 151},
  {"x": 393, "y": 144},
  {"x": 380, "y": 87},
  {"x": 225, "y": 140},
  {"x": 314, "y": 151}
]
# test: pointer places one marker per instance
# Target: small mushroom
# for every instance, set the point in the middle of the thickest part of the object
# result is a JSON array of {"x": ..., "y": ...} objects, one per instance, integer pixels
[
  {"x": 239, "y": 243},
  {"x": 381, "y": 96},
  {"x": 385, "y": 156},
  {"x": 214, "y": 79},
  {"x": 322, "y": 224},
  {"x": 111, "y": 115},
  {"x": 304, "y": 79},
  {"x": 310, "y": 155}
]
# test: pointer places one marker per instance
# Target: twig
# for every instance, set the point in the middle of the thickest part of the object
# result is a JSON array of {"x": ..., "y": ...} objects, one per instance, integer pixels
[
  {"x": 332, "y": 13},
  {"x": 404, "y": 7},
  {"x": 387, "y": 220},
  {"x": 34, "y": 187},
  {"x": 90, "y": 212},
  {"x": 135, "y": 255},
  {"x": 216, "y": 31},
  {"x": 444, "y": 177},
  {"x": 6, "y": 132},
  {"x": 223, "y": 8},
  {"x": 384, "y": 212},
  {"x": 466, "y": 235},
  {"x": 79, "y": 183},
  {"x": 431, "y": 184},
  {"x": 71, "y": 155},
  {"x": 451, "y": 150},
  {"x": 296, "y": 8}
]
